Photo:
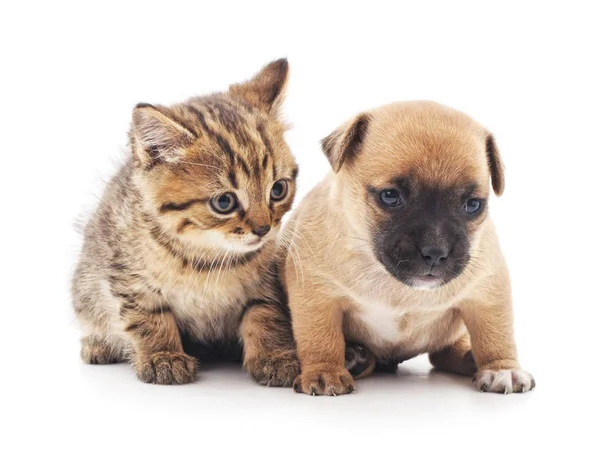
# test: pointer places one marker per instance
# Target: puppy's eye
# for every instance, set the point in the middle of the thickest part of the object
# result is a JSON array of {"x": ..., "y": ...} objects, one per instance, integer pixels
[
  {"x": 472, "y": 206},
  {"x": 224, "y": 203},
  {"x": 279, "y": 190},
  {"x": 390, "y": 197}
]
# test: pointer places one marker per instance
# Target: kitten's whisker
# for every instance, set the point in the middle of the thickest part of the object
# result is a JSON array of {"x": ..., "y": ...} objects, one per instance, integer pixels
[
  {"x": 293, "y": 252},
  {"x": 210, "y": 271},
  {"x": 221, "y": 267},
  {"x": 297, "y": 233},
  {"x": 199, "y": 164}
]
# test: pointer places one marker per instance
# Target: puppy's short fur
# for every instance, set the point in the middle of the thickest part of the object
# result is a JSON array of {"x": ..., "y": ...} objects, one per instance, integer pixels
[{"x": 395, "y": 250}]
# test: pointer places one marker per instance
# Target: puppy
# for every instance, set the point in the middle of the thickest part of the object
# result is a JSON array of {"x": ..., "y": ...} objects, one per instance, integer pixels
[{"x": 394, "y": 250}]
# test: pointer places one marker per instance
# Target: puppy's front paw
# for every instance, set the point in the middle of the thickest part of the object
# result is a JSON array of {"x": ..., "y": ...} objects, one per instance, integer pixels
[
  {"x": 279, "y": 369},
  {"x": 320, "y": 381},
  {"x": 506, "y": 381},
  {"x": 166, "y": 368}
]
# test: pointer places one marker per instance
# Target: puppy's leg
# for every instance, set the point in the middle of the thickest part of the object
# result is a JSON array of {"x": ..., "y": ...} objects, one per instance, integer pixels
[
  {"x": 269, "y": 350},
  {"x": 317, "y": 325},
  {"x": 158, "y": 353},
  {"x": 388, "y": 366},
  {"x": 490, "y": 324},
  {"x": 456, "y": 358}
]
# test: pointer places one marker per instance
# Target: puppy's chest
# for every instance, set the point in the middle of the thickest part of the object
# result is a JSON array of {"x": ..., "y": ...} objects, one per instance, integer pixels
[
  {"x": 396, "y": 331},
  {"x": 380, "y": 321}
]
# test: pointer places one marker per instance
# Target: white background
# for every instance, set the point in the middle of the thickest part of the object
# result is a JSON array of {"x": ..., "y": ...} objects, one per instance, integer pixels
[{"x": 70, "y": 74}]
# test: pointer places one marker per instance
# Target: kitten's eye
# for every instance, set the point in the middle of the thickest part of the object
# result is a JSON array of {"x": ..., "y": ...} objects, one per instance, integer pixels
[
  {"x": 224, "y": 203},
  {"x": 472, "y": 206},
  {"x": 279, "y": 190},
  {"x": 390, "y": 197}
]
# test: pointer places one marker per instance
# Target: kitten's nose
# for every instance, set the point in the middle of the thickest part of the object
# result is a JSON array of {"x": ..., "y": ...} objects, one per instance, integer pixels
[{"x": 261, "y": 231}]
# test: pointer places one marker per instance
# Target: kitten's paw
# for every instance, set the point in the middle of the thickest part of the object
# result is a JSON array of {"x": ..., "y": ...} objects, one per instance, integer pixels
[
  {"x": 360, "y": 362},
  {"x": 275, "y": 370},
  {"x": 506, "y": 381},
  {"x": 319, "y": 381},
  {"x": 97, "y": 351},
  {"x": 166, "y": 368}
]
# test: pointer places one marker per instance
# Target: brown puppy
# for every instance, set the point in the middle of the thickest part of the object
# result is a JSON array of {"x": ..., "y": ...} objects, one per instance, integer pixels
[{"x": 395, "y": 250}]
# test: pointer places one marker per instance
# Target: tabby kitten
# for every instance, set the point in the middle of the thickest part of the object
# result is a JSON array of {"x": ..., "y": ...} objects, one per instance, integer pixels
[{"x": 183, "y": 244}]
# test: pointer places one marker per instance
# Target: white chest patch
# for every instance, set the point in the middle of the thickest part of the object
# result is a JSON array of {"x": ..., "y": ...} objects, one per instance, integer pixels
[
  {"x": 381, "y": 321},
  {"x": 212, "y": 316}
]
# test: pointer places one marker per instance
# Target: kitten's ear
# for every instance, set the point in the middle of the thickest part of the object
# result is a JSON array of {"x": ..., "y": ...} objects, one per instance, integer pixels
[
  {"x": 343, "y": 144},
  {"x": 495, "y": 165},
  {"x": 266, "y": 89},
  {"x": 156, "y": 137}
]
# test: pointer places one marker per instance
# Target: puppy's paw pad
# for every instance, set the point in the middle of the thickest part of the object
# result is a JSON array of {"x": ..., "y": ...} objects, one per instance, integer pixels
[
  {"x": 277, "y": 370},
  {"x": 506, "y": 381},
  {"x": 358, "y": 359},
  {"x": 167, "y": 368},
  {"x": 324, "y": 382}
]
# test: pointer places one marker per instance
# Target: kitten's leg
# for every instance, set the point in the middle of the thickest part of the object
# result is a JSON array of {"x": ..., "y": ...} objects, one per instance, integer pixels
[
  {"x": 158, "y": 354},
  {"x": 97, "y": 349},
  {"x": 456, "y": 358},
  {"x": 99, "y": 344},
  {"x": 269, "y": 349}
]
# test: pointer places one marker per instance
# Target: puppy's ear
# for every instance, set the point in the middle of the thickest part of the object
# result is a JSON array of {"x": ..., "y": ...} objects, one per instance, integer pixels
[
  {"x": 156, "y": 137},
  {"x": 343, "y": 144},
  {"x": 266, "y": 90},
  {"x": 495, "y": 165}
]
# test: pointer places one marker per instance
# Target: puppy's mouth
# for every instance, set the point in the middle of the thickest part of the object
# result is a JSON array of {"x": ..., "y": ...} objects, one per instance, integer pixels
[
  {"x": 426, "y": 282},
  {"x": 418, "y": 277}
]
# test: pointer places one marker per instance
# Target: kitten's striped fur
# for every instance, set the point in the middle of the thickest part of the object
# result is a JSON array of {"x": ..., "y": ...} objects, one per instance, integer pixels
[{"x": 160, "y": 263}]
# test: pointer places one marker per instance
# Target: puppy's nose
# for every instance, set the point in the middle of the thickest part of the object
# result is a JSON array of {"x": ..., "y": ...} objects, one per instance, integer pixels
[
  {"x": 261, "y": 231},
  {"x": 433, "y": 255}
]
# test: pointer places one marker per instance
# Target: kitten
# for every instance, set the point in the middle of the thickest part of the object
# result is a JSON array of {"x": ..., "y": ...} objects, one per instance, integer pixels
[{"x": 183, "y": 244}]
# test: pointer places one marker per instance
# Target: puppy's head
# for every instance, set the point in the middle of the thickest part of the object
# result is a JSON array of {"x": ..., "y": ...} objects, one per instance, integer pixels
[{"x": 414, "y": 180}]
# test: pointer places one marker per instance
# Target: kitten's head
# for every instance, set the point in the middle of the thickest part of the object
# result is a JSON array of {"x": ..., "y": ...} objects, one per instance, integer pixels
[{"x": 215, "y": 171}]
